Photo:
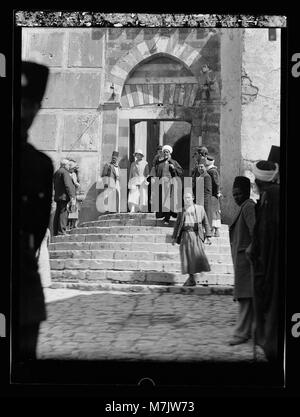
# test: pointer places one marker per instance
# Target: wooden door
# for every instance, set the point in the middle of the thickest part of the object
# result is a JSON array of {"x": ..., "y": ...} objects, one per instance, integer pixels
[{"x": 152, "y": 139}]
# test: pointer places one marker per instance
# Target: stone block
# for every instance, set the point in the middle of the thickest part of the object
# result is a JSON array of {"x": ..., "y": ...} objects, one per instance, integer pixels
[
  {"x": 97, "y": 238},
  {"x": 119, "y": 275},
  {"x": 121, "y": 245},
  {"x": 121, "y": 238},
  {"x": 118, "y": 230},
  {"x": 150, "y": 266},
  {"x": 76, "y": 238},
  {"x": 84, "y": 49},
  {"x": 136, "y": 255},
  {"x": 81, "y": 254},
  {"x": 74, "y": 275},
  {"x": 73, "y": 90},
  {"x": 97, "y": 275},
  {"x": 43, "y": 133},
  {"x": 56, "y": 275},
  {"x": 160, "y": 277},
  {"x": 100, "y": 245},
  {"x": 79, "y": 230},
  {"x": 81, "y": 132},
  {"x": 143, "y": 238},
  {"x": 166, "y": 256},
  {"x": 77, "y": 264},
  {"x": 102, "y": 254},
  {"x": 123, "y": 132},
  {"x": 57, "y": 264},
  {"x": 162, "y": 239},
  {"x": 128, "y": 264},
  {"x": 46, "y": 47},
  {"x": 60, "y": 254},
  {"x": 171, "y": 266},
  {"x": 101, "y": 264}
]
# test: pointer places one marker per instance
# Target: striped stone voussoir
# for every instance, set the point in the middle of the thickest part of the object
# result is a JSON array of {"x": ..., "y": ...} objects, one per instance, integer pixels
[{"x": 146, "y": 49}]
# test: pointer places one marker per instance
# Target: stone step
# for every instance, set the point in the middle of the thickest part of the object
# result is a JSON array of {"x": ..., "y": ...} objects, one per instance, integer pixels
[
  {"x": 126, "y": 229},
  {"x": 132, "y": 255},
  {"x": 131, "y": 246},
  {"x": 129, "y": 264},
  {"x": 123, "y": 216},
  {"x": 143, "y": 288},
  {"x": 132, "y": 277},
  {"x": 110, "y": 216},
  {"x": 135, "y": 222},
  {"x": 124, "y": 237}
]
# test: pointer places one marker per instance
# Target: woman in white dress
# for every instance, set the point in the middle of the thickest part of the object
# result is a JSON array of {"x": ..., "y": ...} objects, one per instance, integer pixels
[{"x": 138, "y": 185}]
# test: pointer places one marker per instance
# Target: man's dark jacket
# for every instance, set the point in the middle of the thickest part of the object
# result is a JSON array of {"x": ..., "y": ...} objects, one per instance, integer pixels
[{"x": 64, "y": 188}]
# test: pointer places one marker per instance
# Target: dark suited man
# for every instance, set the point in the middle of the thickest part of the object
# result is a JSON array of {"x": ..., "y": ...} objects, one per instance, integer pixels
[
  {"x": 241, "y": 234},
  {"x": 35, "y": 179},
  {"x": 64, "y": 192}
]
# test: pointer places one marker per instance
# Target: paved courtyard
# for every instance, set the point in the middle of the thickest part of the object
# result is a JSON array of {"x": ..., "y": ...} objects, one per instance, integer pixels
[{"x": 137, "y": 326}]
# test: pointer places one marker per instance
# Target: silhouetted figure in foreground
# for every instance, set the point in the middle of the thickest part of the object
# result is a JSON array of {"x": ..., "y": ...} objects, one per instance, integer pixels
[
  {"x": 265, "y": 255},
  {"x": 36, "y": 173}
]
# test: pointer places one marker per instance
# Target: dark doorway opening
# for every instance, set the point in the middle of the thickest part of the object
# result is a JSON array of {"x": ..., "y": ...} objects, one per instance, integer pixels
[{"x": 181, "y": 153}]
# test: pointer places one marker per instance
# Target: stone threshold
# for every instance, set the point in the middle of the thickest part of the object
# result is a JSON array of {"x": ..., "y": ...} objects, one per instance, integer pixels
[{"x": 138, "y": 288}]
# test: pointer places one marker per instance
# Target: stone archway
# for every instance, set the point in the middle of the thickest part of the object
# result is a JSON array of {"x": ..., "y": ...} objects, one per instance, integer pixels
[{"x": 160, "y": 45}]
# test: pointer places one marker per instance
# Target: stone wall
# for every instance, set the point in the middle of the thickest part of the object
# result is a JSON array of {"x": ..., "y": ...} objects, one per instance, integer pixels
[
  {"x": 70, "y": 121},
  {"x": 261, "y": 61},
  {"x": 230, "y": 124},
  {"x": 250, "y": 104}
]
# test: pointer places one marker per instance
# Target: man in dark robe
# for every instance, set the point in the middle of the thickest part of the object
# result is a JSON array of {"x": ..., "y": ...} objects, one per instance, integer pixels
[
  {"x": 34, "y": 204},
  {"x": 240, "y": 234},
  {"x": 167, "y": 169},
  {"x": 200, "y": 172},
  {"x": 212, "y": 170},
  {"x": 64, "y": 193},
  {"x": 111, "y": 180},
  {"x": 264, "y": 255}
]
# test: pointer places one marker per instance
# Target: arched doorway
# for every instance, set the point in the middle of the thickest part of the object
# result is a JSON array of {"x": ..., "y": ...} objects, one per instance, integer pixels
[{"x": 160, "y": 100}]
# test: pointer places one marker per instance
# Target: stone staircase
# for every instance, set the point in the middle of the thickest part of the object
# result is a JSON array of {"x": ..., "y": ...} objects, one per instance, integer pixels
[{"x": 128, "y": 248}]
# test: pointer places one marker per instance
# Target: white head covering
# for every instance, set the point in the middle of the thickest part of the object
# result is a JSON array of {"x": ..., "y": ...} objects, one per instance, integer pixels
[
  {"x": 262, "y": 175},
  {"x": 168, "y": 148},
  {"x": 139, "y": 151}
]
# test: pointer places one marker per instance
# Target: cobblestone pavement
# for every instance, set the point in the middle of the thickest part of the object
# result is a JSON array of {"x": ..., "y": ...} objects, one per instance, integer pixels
[{"x": 135, "y": 326}]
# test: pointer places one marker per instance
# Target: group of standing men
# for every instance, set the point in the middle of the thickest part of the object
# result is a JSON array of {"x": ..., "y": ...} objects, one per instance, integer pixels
[
  {"x": 66, "y": 184},
  {"x": 144, "y": 196},
  {"x": 254, "y": 238}
]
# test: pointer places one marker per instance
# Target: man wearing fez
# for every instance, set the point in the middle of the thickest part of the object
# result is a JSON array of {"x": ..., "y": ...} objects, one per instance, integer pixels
[
  {"x": 36, "y": 174},
  {"x": 240, "y": 234},
  {"x": 264, "y": 255},
  {"x": 111, "y": 181},
  {"x": 200, "y": 151}
]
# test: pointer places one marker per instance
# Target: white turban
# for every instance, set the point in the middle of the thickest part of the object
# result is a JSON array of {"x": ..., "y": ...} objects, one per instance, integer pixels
[
  {"x": 168, "y": 148},
  {"x": 262, "y": 175}
]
